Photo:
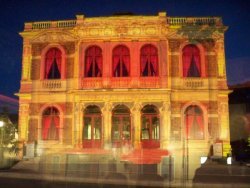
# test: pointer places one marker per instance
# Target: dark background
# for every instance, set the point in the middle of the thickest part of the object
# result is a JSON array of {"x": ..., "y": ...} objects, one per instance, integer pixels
[{"x": 13, "y": 14}]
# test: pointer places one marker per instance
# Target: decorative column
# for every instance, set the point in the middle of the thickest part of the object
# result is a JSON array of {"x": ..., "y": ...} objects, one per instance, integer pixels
[
  {"x": 106, "y": 114},
  {"x": 165, "y": 124},
  {"x": 224, "y": 123},
  {"x": 77, "y": 142},
  {"x": 77, "y": 78},
  {"x": 221, "y": 57},
  {"x": 136, "y": 124},
  {"x": 23, "y": 125},
  {"x": 26, "y": 60}
]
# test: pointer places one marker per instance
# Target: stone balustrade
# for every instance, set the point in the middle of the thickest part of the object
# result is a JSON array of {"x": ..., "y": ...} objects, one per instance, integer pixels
[
  {"x": 194, "y": 20},
  {"x": 170, "y": 21},
  {"x": 195, "y": 83},
  {"x": 50, "y": 24},
  {"x": 92, "y": 83},
  {"x": 149, "y": 82},
  {"x": 49, "y": 85}
]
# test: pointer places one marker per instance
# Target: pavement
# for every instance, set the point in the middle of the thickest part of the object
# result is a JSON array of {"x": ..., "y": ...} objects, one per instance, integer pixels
[{"x": 211, "y": 174}]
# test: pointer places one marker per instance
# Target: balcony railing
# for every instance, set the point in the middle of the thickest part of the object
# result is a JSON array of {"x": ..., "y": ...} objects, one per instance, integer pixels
[
  {"x": 121, "y": 82},
  {"x": 49, "y": 85},
  {"x": 194, "y": 20},
  {"x": 149, "y": 82},
  {"x": 92, "y": 83},
  {"x": 50, "y": 24},
  {"x": 195, "y": 83}
]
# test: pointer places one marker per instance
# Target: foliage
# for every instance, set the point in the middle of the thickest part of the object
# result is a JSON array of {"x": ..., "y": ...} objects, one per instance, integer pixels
[{"x": 8, "y": 132}]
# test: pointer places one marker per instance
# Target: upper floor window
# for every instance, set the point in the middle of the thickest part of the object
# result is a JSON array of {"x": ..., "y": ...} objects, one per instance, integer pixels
[
  {"x": 93, "y": 62},
  {"x": 194, "y": 123},
  {"x": 50, "y": 124},
  {"x": 121, "y": 61},
  {"x": 53, "y": 64},
  {"x": 191, "y": 61},
  {"x": 149, "y": 61}
]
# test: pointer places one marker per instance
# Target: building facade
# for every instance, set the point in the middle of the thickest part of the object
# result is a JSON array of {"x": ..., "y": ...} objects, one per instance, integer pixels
[{"x": 141, "y": 82}]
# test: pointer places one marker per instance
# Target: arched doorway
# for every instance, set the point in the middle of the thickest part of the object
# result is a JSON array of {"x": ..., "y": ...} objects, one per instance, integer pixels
[
  {"x": 92, "y": 127},
  {"x": 121, "y": 126},
  {"x": 150, "y": 127},
  {"x": 50, "y": 124}
]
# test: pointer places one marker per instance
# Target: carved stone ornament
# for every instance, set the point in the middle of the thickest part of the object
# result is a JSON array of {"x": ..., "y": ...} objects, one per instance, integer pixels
[
  {"x": 107, "y": 107},
  {"x": 165, "y": 107},
  {"x": 137, "y": 107},
  {"x": 54, "y": 37}
]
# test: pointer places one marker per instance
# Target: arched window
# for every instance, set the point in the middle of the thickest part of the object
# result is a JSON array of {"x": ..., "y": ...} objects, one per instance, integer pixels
[
  {"x": 92, "y": 128},
  {"x": 93, "y": 62},
  {"x": 53, "y": 64},
  {"x": 50, "y": 124},
  {"x": 121, "y": 125},
  {"x": 150, "y": 127},
  {"x": 191, "y": 61},
  {"x": 194, "y": 123},
  {"x": 149, "y": 61},
  {"x": 121, "y": 61}
]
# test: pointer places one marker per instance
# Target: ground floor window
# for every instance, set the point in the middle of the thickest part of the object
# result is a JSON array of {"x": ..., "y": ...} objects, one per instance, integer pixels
[
  {"x": 50, "y": 124},
  {"x": 150, "y": 127},
  {"x": 92, "y": 127},
  {"x": 194, "y": 123},
  {"x": 121, "y": 126}
]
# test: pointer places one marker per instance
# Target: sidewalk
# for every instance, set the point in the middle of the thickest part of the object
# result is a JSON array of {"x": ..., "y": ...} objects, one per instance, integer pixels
[{"x": 209, "y": 175}]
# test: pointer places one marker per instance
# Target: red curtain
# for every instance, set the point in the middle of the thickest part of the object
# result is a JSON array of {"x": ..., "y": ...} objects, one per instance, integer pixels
[
  {"x": 149, "y": 56},
  {"x": 57, "y": 124},
  {"x": 154, "y": 61},
  {"x": 93, "y": 55},
  {"x": 99, "y": 64},
  {"x": 126, "y": 61},
  {"x": 46, "y": 126},
  {"x": 188, "y": 52},
  {"x": 189, "y": 123},
  {"x": 120, "y": 55},
  {"x": 194, "y": 117},
  {"x": 50, "y": 124},
  {"x": 199, "y": 119},
  {"x": 51, "y": 55}
]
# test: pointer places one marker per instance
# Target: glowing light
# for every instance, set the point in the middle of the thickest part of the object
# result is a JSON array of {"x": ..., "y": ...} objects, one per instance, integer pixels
[
  {"x": 229, "y": 160},
  {"x": 1, "y": 123},
  {"x": 203, "y": 160}
]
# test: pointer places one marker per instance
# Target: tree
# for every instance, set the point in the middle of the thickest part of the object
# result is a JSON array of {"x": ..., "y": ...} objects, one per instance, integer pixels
[{"x": 8, "y": 137}]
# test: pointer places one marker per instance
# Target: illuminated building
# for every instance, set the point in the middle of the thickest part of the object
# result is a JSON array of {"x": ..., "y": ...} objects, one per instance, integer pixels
[{"x": 140, "y": 82}]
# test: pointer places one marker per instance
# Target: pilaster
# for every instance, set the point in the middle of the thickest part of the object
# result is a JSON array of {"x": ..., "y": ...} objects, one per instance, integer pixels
[
  {"x": 107, "y": 113},
  {"x": 165, "y": 125},
  {"x": 136, "y": 120},
  {"x": 26, "y": 60}
]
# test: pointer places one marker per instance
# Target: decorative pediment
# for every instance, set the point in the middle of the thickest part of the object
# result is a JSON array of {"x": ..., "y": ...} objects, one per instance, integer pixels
[
  {"x": 54, "y": 36},
  {"x": 120, "y": 28}
]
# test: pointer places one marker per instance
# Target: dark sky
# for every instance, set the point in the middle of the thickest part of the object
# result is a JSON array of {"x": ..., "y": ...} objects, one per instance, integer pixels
[{"x": 13, "y": 14}]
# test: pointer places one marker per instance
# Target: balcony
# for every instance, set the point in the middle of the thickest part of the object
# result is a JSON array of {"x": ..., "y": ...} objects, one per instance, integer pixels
[
  {"x": 149, "y": 82},
  {"x": 194, "y": 20},
  {"x": 50, "y": 24},
  {"x": 92, "y": 83},
  {"x": 49, "y": 85},
  {"x": 121, "y": 82},
  {"x": 195, "y": 83}
]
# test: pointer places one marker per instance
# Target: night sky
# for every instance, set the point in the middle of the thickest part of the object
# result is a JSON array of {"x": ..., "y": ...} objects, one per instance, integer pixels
[{"x": 13, "y": 14}]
